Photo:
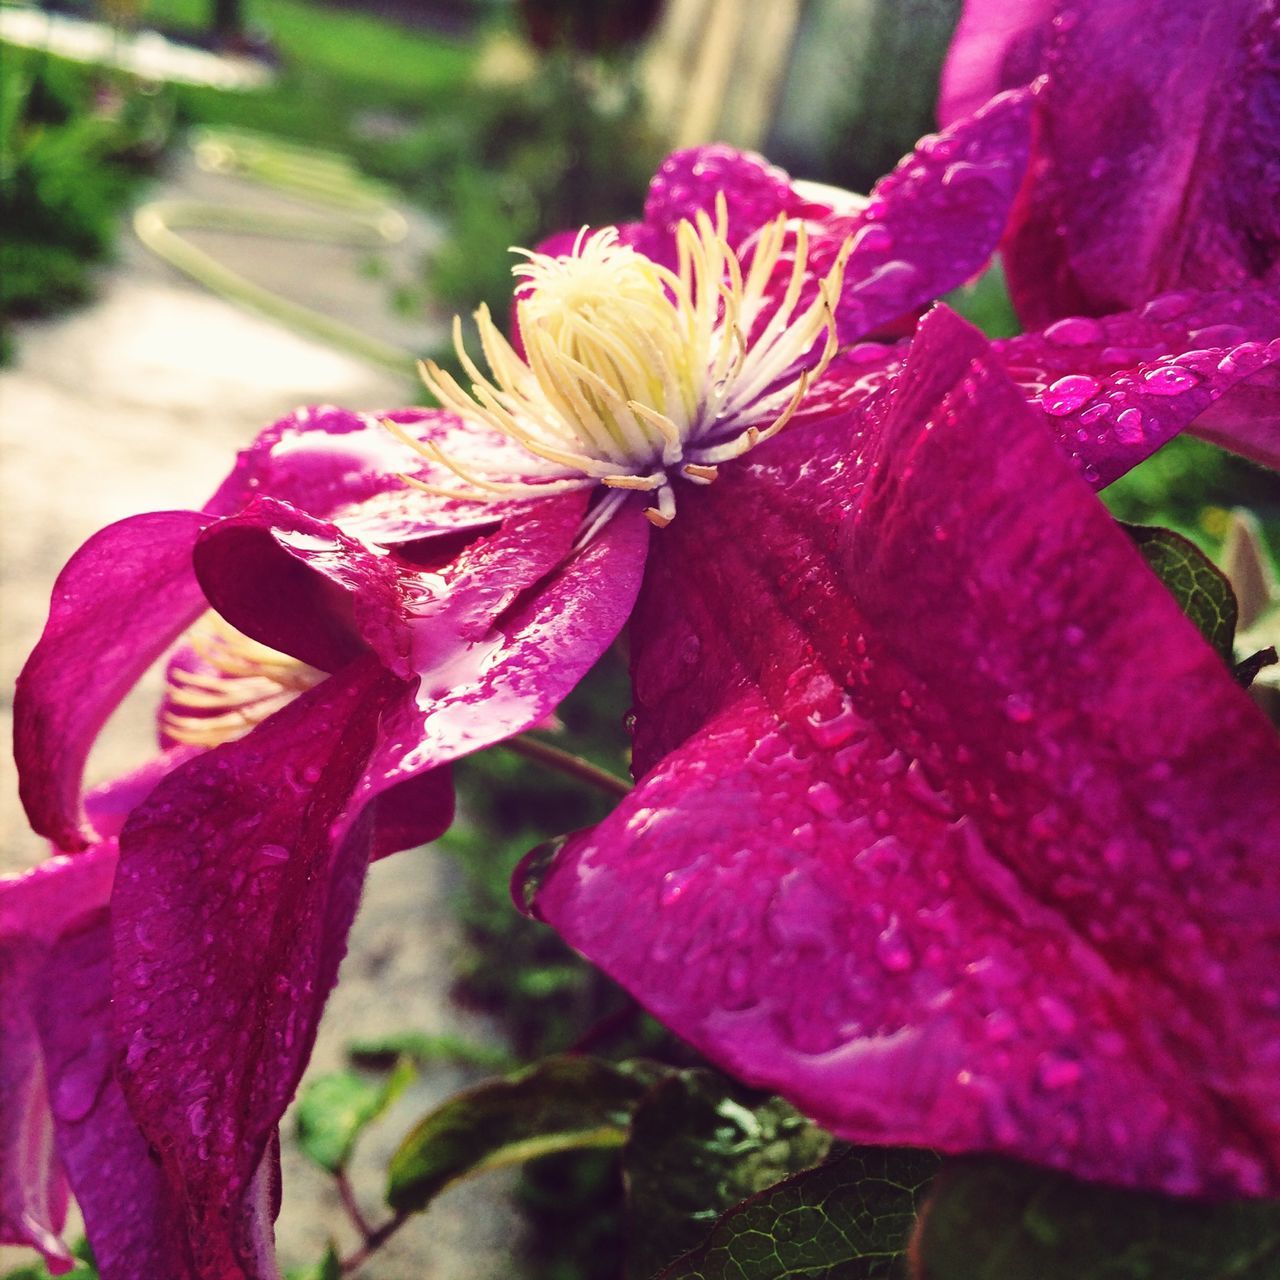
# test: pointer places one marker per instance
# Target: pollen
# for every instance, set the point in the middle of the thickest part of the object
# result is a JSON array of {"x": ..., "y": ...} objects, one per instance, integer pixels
[
  {"x": 635, "y": 376},
  {"x": 241, "y": 682}
]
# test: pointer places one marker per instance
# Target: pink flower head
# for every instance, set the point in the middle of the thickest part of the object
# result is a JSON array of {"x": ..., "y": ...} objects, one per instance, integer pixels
[{"x": 853, "y": 644}]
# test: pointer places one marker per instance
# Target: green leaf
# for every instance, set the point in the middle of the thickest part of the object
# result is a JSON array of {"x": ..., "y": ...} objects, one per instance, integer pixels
[
  {"x": 328, "y": 1268},
  {"x": 335, "y": 1109},
  {"x": 561, "y": 1104},
  {"x": 848, "y": 1219},
  {"x": 1201, "y": 590},
  {"x": 699, "y": 1145},
  {"x": 997, "y": 1220},
  {"x": 380, "y": 1052}
]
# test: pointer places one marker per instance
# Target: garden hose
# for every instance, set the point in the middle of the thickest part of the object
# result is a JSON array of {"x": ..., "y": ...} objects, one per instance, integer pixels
[{"x": 356, "y": 212}]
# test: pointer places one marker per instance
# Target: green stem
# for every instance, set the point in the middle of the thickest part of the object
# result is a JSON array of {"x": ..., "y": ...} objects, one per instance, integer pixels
[
  {"x": 567, "y": 763},
  {"x": 373, "y": 1241}
]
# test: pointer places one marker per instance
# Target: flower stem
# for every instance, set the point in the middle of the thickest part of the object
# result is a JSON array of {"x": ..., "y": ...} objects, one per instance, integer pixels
[
  {"x": 348, "y": 1196},
  {"x": 373, "y": 1241},
  {"x": 567, "y": 763}
]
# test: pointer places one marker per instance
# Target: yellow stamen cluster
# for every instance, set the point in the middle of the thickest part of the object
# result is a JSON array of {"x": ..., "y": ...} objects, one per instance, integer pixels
[
  {"x": 635, "y": 375},
  {"x": 247, "y": 682}
]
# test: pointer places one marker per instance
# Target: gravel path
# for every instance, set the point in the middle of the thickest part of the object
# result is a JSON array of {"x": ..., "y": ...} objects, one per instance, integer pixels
[{"x": 137, "y": 403}]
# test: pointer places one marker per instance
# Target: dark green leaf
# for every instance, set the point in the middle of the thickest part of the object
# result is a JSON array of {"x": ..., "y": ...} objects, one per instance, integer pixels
[
  {"x": 996, "y": 1220},
  {"x": 848, "y": 1219},
  {"x": 699, "y": 1145},
  {"x": 1246, "y": 672},
  {"x": 533, "y": 870},
  {"x": 383, "y": 1051},
  {"x": 560, "y": 1104},
  {"x": 335, "y": 1109},
  {"x": 1201, "y": 590}
]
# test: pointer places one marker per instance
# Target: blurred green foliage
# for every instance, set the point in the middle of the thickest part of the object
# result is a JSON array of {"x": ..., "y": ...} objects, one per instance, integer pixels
[{"x": 74, "y": 144}]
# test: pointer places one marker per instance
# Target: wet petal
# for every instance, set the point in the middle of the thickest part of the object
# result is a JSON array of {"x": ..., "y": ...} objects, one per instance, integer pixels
[
  {"x": 241, "y": 871},
  {"x": 349, "y": 468},
  {"x": 413, "y": 813},
  {"x": 35, "y": 909},
  {"x": 302, "y": 586},
  {"x": 1115, "y": 388},
  {"x": 1155, "y": 161},
  {"x": 998, "y": 44},
  {"x": 123, "y": 598},
  {"x": 934, "y": 221},
  {"x": 129, "y": 1213},
  {"x": 514, "y": 674},
  {"x": 238, "y": 880},
  {"x": 955, "y": 858},
  {"x": 109, "y": 805},
  {"x": 688, "y": 183}
]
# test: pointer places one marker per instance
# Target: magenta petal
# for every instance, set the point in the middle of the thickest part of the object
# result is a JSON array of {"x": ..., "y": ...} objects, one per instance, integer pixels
[
  {"x": 347, "y": 467},
  {"x": 512, "y": 675},
  {"x": 109, "y": 805},
  {"x": 320, "y": 458},
  {"x": 35, "y": 909},
  {"x": 999, "y": 44},
  {"x": 934, "y": 221},
  {"x": 123, "y": 598},
  {"x": 1115, "y": 388},
  {"x": 238, "y": 880},
  {"x": 958, "y": 859},
  {"x": 128, "y": 1211},
  {"x": 689, "y": 182},
  {"x": 302, "y": 586},
  {"x": 413, "y": 813},
  {"x": 1155, "y": 164}
]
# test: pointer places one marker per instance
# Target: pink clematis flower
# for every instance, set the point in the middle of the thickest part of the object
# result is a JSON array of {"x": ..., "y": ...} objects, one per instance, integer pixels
[
  {"x": 1154, "y": 166},
  {"x": 455, "y": 611}
]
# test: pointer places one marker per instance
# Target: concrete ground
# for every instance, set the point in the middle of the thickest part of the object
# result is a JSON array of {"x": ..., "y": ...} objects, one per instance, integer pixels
[{"x": 137, "y": 403}]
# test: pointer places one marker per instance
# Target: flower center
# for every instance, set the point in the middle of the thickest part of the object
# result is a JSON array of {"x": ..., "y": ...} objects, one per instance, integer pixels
[
  {"x": 231, "y": 684},
  {"x": 635, "y": 375}
]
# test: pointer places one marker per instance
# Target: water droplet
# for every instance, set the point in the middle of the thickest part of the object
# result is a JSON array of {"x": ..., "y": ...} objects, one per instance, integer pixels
[
  {"x": 824, "y": 799},
  {"x": 962, "y": 173},
  {"x": 1018, "y": 708},
  {"x": 1068, "y": 394},
  {"x": 198, "y": 1119},
  {"x": 1168, "y": 380},
  {"x": 1058, "y": 1072},
  {"x": 1057, "y": 1014},
  {"x": 1129, "y": 426},
  {"x": 674, "y": 884},
  {"x": 1075, "y": 331},
  {"x": 893, "y": 951},
  {"x": 1167, "y": 307},
  {"x": 81, "y": 1081},
  {"x": 1115, "y": 853},
  {"x": 873, "y": 238},
  {"x": 831, "y": 731}
]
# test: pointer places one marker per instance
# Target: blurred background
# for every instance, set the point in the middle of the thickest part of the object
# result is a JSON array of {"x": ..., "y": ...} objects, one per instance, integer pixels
[{"x": 216, "y": 210}]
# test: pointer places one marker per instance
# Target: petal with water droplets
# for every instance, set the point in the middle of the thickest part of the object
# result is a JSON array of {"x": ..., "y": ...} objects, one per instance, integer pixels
[
  {"x": 911, "y": 850},
  {"x": 1115, "y": 388}
]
